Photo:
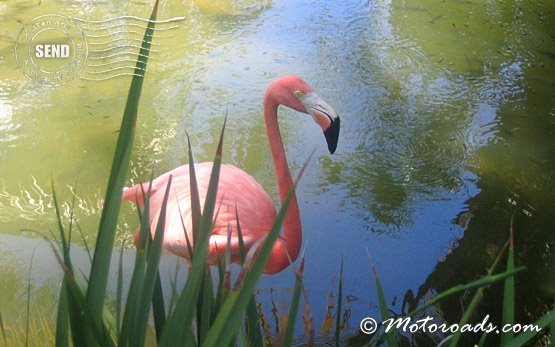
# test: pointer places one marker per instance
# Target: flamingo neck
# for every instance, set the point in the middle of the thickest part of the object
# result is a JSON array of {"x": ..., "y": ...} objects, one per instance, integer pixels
[{"x": 287, "y": 248}]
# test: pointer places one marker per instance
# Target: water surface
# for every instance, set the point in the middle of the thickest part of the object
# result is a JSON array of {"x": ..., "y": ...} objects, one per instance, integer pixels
[{"x": 448, "y": 114}]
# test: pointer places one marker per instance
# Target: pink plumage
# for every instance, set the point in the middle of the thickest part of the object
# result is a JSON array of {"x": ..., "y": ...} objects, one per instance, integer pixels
[{"x": 238, "y": 193}]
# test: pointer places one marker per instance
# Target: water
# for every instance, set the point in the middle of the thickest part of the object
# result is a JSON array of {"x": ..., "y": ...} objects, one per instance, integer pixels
[{"x": 448, "y": 114}]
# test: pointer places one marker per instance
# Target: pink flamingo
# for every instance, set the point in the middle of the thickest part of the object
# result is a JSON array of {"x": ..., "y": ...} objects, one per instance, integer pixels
[{"x": 238, "y": 191}]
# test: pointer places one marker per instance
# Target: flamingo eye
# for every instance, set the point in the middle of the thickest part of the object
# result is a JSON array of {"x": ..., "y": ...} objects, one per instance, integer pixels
[{"x": 298, "y": 93}]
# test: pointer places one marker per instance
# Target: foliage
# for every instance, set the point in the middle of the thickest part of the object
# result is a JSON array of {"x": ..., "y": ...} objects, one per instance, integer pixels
[
  {"x": 507, "y": 338},
  {"x": 208, "y": 311}
]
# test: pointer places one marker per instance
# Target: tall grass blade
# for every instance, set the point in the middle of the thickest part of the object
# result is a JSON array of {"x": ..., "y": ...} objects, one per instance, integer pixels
[
  {"x": 339, "y": 302},
  {"x": 509, "y": 290},
  {"x": 153, "y": 261},
  {"x": 85, "y": 243},
  {"x": 137, "y": 278},
  {"x": 482, "y": 282},
  {"x": 79, "y": 312},
  {"x": 252, "y": 319},
  {"x": 476, "y": 299},
  {"x": 158, "y": 308},
  {"x": 65, "y": 244},
  {"x": 222, "y": 287},
  {"x": 28, "y": 318},
  {"x": 384, "y": 310},
  {"x": 294, "y": 307},
  {"x": 79, "y": 330},
  {"x": 195, "y": 199},
  {"x": 205, "y": 300},
  {"x": 71, "y": 212},
  {"x": 99, "y": 335},
  {"x": 106, "y": 231},
  {"x": 229, "y": 318},
  {"x": 175, "y": 333},
  {"x": 173, "y": 287},
  {"x": 205, "y": 305},
  {"x": 522, "y": 338},
  {"x": 62, "y": 322},
  {"x": 242, "y": 251},
  {"x": 119, "y": 291}
]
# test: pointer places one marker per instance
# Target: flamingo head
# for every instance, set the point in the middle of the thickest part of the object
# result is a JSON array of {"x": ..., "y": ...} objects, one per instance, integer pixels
[{"x": 293, "y": 92}]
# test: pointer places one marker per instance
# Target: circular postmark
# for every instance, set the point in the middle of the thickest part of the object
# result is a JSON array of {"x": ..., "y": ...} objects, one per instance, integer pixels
[{"x": 51, "y": 49}]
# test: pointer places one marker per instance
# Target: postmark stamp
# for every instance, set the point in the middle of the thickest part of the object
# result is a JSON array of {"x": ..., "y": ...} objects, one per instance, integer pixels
[{"x": 51, "y": 49}]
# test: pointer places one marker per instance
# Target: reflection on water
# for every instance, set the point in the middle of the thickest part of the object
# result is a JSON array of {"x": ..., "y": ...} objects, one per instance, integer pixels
[{"x": 448, "y": 116}]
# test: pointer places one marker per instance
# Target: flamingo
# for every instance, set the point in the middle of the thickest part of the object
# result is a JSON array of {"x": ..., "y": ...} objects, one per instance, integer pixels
[{"x": 239, "y": 194}]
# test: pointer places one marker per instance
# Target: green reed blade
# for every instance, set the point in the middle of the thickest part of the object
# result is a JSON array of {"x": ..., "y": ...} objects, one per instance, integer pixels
[
  {"x": 62, "y": 315},
  {"x": 476, "y": 299},
  {"x": 83, "y": 333},
  {"x": 173, "y": 287},
  {"x": 153, "y": 261},
  {"x": 221, "y": 291},
  {"x": 158, "y": 308},
  {"x": 106, "y": 231},
  {"x": 254, "y": 334},
  {"x": 294, "y": 307},
  {"x": 65, "y": 245},
  {"x": 82, "y": 319},
  {"x": 243, "y": 339},
  {"x": 119, "y": 290},
  {"x": 482, "y": 341},
  {"x": 28, "y": 316},
  {"x": 84, "y": 239},
  {"x": 195, "y": 199},
  {"x": 384, "y": 310},
  {"x": 521, "y": 339},
  {"x": 252, "y": 319},
  {"x": 185, "y": 307},
  {"x": 242, "y": 251},
  {"x": 339, "y": 302},
  {"x": 205, "y": 305},
  {"x": 79, "y": 330},
  {"x": 206, "y": 299},
  {"x": 482, "y": 282},
  {"x": 508, "y": 315},
  {"x": 62, "y": 322},
  {"x": 137, "y": 278},
  {"x": 210, "y": 202}
]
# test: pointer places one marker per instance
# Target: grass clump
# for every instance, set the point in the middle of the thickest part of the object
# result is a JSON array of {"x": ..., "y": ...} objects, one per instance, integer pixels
[
  {"x": 207, "y": 311},
  {"x": 394, "y": 337}
]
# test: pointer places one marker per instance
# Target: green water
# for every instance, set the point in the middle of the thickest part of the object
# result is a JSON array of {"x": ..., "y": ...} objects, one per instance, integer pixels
[{"x": 448, "y": 114}]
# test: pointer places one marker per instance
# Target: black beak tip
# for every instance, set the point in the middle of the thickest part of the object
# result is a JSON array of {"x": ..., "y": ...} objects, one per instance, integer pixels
[{"x": 332, "y": 135}]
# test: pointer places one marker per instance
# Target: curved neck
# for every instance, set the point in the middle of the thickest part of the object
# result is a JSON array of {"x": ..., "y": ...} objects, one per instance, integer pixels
[{"x": 286, "y": 249}]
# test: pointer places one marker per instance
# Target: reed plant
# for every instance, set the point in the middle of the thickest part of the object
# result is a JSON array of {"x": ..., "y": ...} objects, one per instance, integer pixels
[
  {"x": 208, "y": 311},
  {"x": 393, "y": 338}
]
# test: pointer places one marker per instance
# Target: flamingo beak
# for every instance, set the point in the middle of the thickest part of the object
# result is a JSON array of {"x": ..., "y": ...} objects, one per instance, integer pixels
[
  {"x": 332, "y": 135},
  {"x": 325, "y": 116}
]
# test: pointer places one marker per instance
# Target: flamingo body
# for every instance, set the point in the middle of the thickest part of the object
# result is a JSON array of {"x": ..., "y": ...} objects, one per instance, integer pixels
[
  {"x": 256, "y": 209},
  {"x": 238, "y": 193}
]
